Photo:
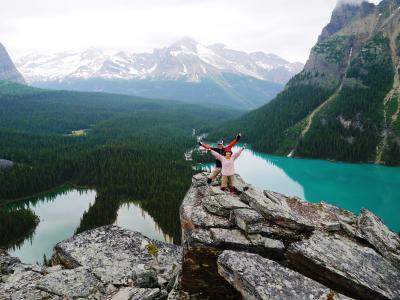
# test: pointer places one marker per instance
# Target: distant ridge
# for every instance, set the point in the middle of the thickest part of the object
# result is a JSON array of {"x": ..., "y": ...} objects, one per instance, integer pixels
[{"x": 186, "y": 70}]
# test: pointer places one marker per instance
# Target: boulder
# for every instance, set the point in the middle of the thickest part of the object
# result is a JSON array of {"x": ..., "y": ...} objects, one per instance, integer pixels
[
  {"x": 386, "y": 242},
  {"x": 345, "y": 265},
  {"x": 119, "y": 256},
  {"x": 256, "y": 277},
  {"x": 75, "y": 283},
  {"x": 277, "y": 212}
]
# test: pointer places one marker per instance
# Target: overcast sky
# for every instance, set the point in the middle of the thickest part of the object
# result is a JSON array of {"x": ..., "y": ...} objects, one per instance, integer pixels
[{"x": 288, "y": 28}]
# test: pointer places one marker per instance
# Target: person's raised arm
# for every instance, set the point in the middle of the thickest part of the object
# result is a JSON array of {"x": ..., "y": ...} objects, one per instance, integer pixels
[
  {"x": 237, "y": 153},
  {"x": 233, "y": 142},
  {"x": 215, "y": 154},
  {"x": 206, "y": 146}
]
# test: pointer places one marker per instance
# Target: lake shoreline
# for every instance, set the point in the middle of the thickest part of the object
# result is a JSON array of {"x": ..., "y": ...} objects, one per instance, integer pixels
[{"x": 65, "y": 185}]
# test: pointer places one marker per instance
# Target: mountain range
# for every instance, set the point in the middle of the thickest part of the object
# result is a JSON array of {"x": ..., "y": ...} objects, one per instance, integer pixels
[
  {"x": 185, "y": 70},
  {"x": 345, "y": 103}
]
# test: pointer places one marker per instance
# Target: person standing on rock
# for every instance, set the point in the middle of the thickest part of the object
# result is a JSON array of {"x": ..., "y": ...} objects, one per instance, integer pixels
[
  {"x": 228, "y": 167},
  {"x": 221, "y": 149}
]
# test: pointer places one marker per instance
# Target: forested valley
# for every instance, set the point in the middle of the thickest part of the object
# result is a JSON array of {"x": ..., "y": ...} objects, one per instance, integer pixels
[{"x": 125, "y": 147}]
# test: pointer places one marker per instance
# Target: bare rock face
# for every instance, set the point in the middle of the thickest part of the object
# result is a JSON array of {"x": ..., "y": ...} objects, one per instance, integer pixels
[
  {"x": 76, "y": 283},
  {"x": 342, "y": 263},
  {"x": 373, "y": 229},
  {"x": 279, "y": 247},
  {"x": 104, "y": 263},
  {"x": 7, "y": 68},
  {"x": 260, "y": 278},
  {"x": 120, "y": 256}
]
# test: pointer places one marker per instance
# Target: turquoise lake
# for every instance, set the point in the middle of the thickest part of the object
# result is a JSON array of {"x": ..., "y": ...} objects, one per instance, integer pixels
[{"x": 350, "y": 186}]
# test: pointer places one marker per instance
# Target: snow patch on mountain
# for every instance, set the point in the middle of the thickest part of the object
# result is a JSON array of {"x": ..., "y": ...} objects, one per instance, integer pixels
[{"x": 185, "y": 59}]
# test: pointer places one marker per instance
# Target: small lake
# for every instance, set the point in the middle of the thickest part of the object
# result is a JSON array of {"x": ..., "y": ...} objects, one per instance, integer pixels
[
  {"x": 60, "y": 214},
  {"x": 350, "y": 186}
]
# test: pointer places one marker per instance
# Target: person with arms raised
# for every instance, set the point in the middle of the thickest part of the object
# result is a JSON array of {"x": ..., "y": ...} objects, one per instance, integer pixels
[
  {"x": 220, "y": 149},
  {"x": 228, "y": 167}
]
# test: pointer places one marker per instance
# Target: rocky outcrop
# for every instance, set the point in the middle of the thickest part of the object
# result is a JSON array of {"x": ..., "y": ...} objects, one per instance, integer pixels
[
  {"x": 279, "y": 247},
  {"x": 260, "y": 278},
  {"x": 7, "y": 68},
  {"x": 104, "y": 263},
  {"x": 345, "y": 265},
  {"x": 120, "y": 257}
]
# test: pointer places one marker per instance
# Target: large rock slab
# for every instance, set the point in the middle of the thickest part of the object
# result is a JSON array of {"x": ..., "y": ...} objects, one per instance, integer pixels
[
  {"x": 193, "y": 214},
  {"x": 343, "y": 264},
  {"x": 372, "y": 228},
  {"x": 75, "y": 283},
  {"x": 119, "y": 256},
  {"x": 222, "y": 204},
  {"x": 277, "y": 211},
  {"x": 256, "y": 277}
]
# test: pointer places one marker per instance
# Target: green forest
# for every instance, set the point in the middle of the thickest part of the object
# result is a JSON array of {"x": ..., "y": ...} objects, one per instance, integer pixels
[{"x": 132, "y": 149}]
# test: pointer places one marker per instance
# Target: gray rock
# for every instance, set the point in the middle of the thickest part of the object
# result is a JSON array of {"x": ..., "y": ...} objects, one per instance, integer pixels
[
  {"x": 247, "y": 219},
  {"x": 338, "y": 261},
  {"x": 222, "y": 205},
  {"x": 280, "y": 213},
  {"x": 7, "y": 262},
  {"x": 348, "y": 229},
  {"x": 130, "y": 293},
  {"x": 75, "y": 283},
  {"x": 202, "y": 218},
  {"x": 267, "y": 247},
  {"x": 199, "y": 237},
  {"x": 378, "y": 234},
  {"x": 229, "y": 238},
  {"x": 21, "y": 285},
  {"x": 200, "y": 179},
  {"x": 117, "y": 255},
  {"x": 256, "y": 277},
  {"x": 53, "y": 269}
]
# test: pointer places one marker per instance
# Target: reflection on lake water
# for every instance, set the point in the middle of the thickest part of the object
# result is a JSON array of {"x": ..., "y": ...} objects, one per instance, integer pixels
[
  {"x": 350, "y": 186},
  {"x": 133, "y": 217},
  {"x": 60, "y": 214},
  {"x": 59, "y": 217}
]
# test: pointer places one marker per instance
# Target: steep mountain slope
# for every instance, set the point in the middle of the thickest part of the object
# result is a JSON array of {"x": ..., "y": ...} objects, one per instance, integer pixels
[
  {"x": 186, "y": 70},
  {"x": 344, "y": 105},
  {"x": 7, "y": 68}
]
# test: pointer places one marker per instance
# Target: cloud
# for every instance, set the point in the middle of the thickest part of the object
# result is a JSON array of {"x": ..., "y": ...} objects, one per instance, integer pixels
[{"x": 287, "y": 27}]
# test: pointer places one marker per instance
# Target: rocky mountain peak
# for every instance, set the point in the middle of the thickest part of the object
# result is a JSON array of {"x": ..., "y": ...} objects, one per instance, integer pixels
[
  {"x": 7, "y": 67},
  {"x": 185, "y": 59},
  {"x": 185, "y": 43},
  {"x": 343, "y": 14}
]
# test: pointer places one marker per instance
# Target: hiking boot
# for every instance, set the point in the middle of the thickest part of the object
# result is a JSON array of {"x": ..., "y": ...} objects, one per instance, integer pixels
[
  {"x": 209, "y": 180},
  {"x": 232, "y": 189},
  {"x": 223, "y": 188}
]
